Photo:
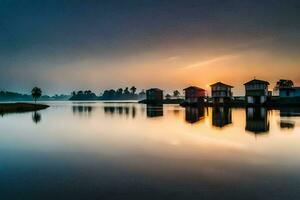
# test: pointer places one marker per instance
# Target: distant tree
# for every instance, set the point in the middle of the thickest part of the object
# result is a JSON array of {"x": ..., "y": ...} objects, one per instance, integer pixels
[
  {"x": 108, "y": 94},
  {"x": 119, "y": 91},
  {"x": 36, "y": 93},
  {"x": 176, "y": 93},
  {"x": 142, "y": 94},
  {"x": 88, "y": 92},
  {"x": 282, "y": 83},
  {"x": 133, "y": 89},
  {"x": 126, "y": 92},
  {"x": 168, "y": 96}
]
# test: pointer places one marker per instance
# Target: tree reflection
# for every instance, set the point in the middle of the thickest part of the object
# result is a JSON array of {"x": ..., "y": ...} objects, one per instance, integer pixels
[
  {"x": 36, "y": 117},
  {"x": 82, "y": 110},
  {"x": 128, "y": 111}
]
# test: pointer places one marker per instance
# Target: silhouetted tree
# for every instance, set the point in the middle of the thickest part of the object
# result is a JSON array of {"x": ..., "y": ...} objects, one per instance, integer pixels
[
  {"x": 176, "y": 93},
  {"x": 126, "y": 91},
  {"x": 36, "y": 93},
  {"x": 282, "y": 83},
  {"x": 142, "y": 94},
  {"x": 168, "y": 96},
  {"x": 83, "y": 95},
  {"x": 119, "y": 92},
  {"x": 109, "y": 94},
  {"x": 133, "y": 89}
]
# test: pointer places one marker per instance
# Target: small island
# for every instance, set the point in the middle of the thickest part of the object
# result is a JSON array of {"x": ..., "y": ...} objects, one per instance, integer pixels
[
  {"x": 20, "y": 107},
  {"x": 36, "y": 93}
]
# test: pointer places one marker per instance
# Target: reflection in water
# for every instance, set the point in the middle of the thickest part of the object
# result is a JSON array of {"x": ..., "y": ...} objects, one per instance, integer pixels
[
  {"x": 194, "y": 114},
  {"x": 289, "y": 112},
  {"x": 106, "y": 156},
  {"x": 257, "y": 120},
  {"x": 82, "y": 110},
  {"x": 221, "y": 116},
  {"x": 120, "y": 110},
  {"x": 176, "y": 111},
  {"x": 155, "y": 110},
  {"x": 287, "y": 124},
  {"x": 36, "y": 117}
]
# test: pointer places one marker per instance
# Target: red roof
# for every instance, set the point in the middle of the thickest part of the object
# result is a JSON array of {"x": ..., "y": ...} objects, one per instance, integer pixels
[{"x": 194, "y": 87}]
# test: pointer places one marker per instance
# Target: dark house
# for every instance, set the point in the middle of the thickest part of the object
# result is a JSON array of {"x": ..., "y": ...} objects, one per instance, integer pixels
[
  {"x": 221, "y": 93},
  {"x": 194, "y": 95},
  {"x": 256, "y": 91},
  {"x": 154, "y": 95}
]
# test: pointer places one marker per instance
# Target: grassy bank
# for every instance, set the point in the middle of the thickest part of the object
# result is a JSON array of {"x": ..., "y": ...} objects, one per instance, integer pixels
[{"x": 20, "y": 107}]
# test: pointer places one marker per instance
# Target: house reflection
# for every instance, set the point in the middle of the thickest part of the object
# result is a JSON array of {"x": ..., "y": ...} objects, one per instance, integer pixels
[
  {"x": 194, "y": 114},
  {"x": 221, "y": 116},
  {"x": 155, "y": 110},
  {"x": 36, "y": 117},
  {"x": 287, "y": 124},
  {"x": 82, "y": 110},
  {"x": 287, "y": 113},
  {"x": 257, "y": 120},
  {"x": 128, "y": 111}
]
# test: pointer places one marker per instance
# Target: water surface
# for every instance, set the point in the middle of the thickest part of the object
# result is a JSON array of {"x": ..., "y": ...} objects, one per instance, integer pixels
[{"x": 94, "y": 150}]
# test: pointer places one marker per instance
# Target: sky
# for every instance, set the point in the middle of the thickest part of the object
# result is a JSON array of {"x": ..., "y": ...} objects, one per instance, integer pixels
[{"x": 66, "y": 45}]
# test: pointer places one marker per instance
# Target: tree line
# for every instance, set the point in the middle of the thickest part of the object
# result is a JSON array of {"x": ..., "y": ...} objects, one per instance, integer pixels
[
  {"x": 110, "y": 94},
  {"x": 14, "y": 96},
  {"x": 118, "y": 94}
]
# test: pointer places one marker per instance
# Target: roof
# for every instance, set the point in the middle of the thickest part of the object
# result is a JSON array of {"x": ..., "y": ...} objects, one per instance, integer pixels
[
  {"x": 155, "y": 89},
  {"x": 194, "y": 87},
  {"x": 220, "y": 83},
  {"x": 255, "y": 81}
]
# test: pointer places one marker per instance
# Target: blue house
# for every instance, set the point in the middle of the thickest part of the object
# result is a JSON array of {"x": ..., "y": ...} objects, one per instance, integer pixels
[{"x": 289, "y": 92}]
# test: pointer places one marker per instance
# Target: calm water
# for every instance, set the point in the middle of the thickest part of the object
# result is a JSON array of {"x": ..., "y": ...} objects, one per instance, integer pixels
[{"x": 130, "y": 151}]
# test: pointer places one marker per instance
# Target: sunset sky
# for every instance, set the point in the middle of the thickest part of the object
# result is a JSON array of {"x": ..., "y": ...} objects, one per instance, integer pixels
[{"x": 87, "y": 44}]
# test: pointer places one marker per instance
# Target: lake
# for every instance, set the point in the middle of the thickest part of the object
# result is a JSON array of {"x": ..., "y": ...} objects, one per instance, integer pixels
[{"x": 95, "y": 150}]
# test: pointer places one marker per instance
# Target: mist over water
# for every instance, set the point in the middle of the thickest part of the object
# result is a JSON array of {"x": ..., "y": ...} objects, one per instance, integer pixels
[{"x": 93, "y": 150}]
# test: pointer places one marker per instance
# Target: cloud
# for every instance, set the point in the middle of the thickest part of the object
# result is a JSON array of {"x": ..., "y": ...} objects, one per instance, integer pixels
[{"x": 210, "y": 61}]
